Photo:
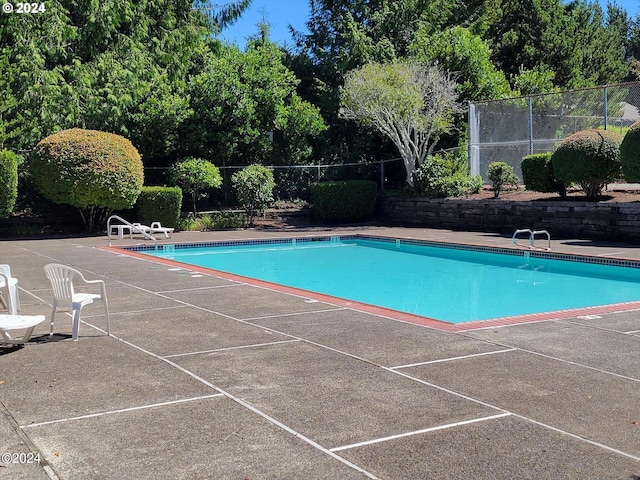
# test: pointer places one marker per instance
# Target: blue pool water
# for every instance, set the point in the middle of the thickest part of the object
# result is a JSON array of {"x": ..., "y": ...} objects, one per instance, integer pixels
[{"x": 453, "y": 285}]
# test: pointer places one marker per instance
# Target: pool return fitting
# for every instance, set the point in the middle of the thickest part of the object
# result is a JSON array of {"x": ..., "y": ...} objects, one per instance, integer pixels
[{"x": 532, "y": 237}]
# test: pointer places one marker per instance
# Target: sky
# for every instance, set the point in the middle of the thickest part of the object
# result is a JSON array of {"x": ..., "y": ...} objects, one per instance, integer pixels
[{"x": 280, "y": 13}]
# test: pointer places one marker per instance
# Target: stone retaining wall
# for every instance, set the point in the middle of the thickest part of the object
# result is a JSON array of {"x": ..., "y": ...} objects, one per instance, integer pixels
[{"x": 563, "y": 219}]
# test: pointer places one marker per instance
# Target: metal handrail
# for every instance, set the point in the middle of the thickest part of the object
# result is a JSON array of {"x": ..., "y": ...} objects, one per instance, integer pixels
[
  {"x": 540, "y": 232},
  {"x": 532, "y": 237},
  {"x": 133, "y": 228},
  {"x": 515, "y": 234}
]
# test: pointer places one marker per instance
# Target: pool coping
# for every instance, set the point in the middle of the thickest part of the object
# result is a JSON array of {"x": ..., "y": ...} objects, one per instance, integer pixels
[{"x": 515, "y": 250}]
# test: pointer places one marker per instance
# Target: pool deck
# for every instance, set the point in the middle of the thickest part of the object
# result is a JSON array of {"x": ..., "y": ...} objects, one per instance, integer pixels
[{"x": 207, "y": 377}]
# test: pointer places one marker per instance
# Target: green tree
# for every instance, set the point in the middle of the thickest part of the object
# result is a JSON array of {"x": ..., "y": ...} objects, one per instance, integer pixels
[
  {"x": 465, "y": 55},
  {"x": 240, "y": 101},
  {"x": 410, "y": 103},
  {"x": 195, "y": 176},
  {"x": 254, "y": 186},
  {"x": 97, "y": 172},
  {"x": 576, "y": 41},
  {"x": 8, "y": 182},
  {"x": 113, "y": 65}
]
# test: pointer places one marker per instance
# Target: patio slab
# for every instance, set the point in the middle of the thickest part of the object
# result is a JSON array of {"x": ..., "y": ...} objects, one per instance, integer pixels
[
  {"x": 188, "y": 330},
  {"x": 500, "y": 449},
  {"x": 586, "y": 345},
  {"x": 245, "y": 302},
  {"x": 585, "y": 402},
  {"x": 56, "y": 380},
  {"x": 377, "y": 339},
  {"x": 208, "y": 438},
  {"x": 331, "y": 398}
]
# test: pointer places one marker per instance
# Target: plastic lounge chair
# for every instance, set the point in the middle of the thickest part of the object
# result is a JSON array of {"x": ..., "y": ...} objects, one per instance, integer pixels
[
  {"x": 18, "y": 322},
  {"x": 9, "y": 285},
  {"x": 154, "y": 228},
  {"x": 62, "y": 280}
]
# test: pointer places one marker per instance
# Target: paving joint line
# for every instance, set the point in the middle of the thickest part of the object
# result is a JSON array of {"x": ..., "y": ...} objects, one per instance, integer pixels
[
  {"x": 450, "y": 359},
  {"x": 121, "y": 410},
  {"x": 418, "y": 432},
  {"x": 254, "y": 345}
]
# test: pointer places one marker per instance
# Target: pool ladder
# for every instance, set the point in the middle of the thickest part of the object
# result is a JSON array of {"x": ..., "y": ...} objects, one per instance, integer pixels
[{"x": 532, "y": 237}]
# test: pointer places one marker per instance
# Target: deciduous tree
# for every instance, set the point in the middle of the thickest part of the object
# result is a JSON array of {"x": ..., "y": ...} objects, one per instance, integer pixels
[{"x": 410, "y": 103}]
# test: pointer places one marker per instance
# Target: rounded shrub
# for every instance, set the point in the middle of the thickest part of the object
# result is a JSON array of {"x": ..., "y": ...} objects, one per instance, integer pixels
[
  {"x": 590, "y": 158},
  {"x": 254, "y": 188},
  {"x": 8, "y": 182},
  {"x": 195, "y": 176},
  {"x": 441, "y": 177},
  {"x": 501, "y": 174},
  {"x": 630, "y": 154},
  {"x": 345, "y": 201},
  {"x": 97, "y": 172},
  {"x": 159, "y": 204},
  {"x": 538, "y": 176}
]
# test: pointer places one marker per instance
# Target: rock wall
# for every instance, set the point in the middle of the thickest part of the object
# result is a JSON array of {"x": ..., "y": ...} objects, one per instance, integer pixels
[{"x": 563, "y": 219}]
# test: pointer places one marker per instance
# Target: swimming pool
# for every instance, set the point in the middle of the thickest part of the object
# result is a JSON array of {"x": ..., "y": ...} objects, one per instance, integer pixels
[{"x": 444, "y": 282}]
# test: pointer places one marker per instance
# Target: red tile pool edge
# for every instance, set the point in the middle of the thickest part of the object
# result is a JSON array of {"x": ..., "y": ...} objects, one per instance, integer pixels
[{"x": 388, "y": 312}]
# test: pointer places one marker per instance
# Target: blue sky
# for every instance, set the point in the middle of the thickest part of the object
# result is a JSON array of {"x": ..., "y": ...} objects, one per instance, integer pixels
[{"x": 280, "y": 13}]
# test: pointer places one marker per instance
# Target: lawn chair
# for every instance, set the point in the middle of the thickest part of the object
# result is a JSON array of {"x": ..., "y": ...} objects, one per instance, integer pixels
[
  {"x": 62, "y": 280},
  {"x": 9, "y": 286},
  {"x": 18, "y": 322},
  {"x": 154, "y": 228}
]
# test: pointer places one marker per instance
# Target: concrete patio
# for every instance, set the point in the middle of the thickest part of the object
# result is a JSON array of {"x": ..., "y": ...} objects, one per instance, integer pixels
[{"x": 208, "y": 378}]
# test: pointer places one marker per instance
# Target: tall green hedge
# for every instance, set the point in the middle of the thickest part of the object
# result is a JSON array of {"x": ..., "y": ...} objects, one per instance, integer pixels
[
  {"x": 538, "y": 176},
  {"x": 8, "y": 182},
  {"x": 159, "y": 204},
  {"x": 630, "y": 154},
  {"x": 345, "y": 201}
]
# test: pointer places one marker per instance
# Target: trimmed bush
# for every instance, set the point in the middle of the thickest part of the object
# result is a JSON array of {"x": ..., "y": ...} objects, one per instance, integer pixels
[
  {"x": 537, "y": 174},
  {"x": 441, "y": 177},
  {"x": 254, "y": 188},
  {"x": 501, "y": 175},
  {"x": 195, "y": 176},
  {"x": 8, "y": 182},
  {"x": 590, "y": 158},
  {"x": 159, "y": 204},
  {"x": 345, "y": 201},
  {"x": 97, "y": 172},
  {"x": 630, "y": 154}
]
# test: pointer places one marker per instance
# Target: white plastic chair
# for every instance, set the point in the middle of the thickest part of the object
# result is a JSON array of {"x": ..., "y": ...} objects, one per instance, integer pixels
[
  {"x": 18, "y": 322},
  {"x": 62, "y": 280},
  {"x": 9, "y": 285}
]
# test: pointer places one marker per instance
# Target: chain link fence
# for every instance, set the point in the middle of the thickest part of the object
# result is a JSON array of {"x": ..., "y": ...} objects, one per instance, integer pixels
[{"x": 507, "y": 130}]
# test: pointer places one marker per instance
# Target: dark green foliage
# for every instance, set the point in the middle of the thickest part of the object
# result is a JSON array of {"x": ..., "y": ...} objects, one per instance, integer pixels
[
  {"x": 590, "y": 158},
  {"x": 444, "y": 176},
  {"x": 254, "y": 188},
  {"x": 501, "y": 175},
  {"x": 8, "y": 182},
  {"x": 630, "y": 154},
  {"x": 195, "y": 176},
  {"x": 97, "y": 172},
  {"x": 537, "y": 174},
  {"x": 159, "y": 204},
  {"x": 345, "y": 201}
]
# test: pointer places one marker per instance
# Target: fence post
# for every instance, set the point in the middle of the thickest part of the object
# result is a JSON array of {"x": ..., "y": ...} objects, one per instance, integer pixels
[
  {"x": 606, "y": 108},
  {"x": 530, "y": 115},
  {"x": 381, "y": 175}
]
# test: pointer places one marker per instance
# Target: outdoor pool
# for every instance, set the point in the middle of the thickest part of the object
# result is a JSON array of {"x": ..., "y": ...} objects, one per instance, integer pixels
[{"x": 444, "y": 282}]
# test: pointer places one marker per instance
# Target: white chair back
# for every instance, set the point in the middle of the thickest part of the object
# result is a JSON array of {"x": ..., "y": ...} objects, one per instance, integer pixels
[{"x": 61, "y": 278}]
